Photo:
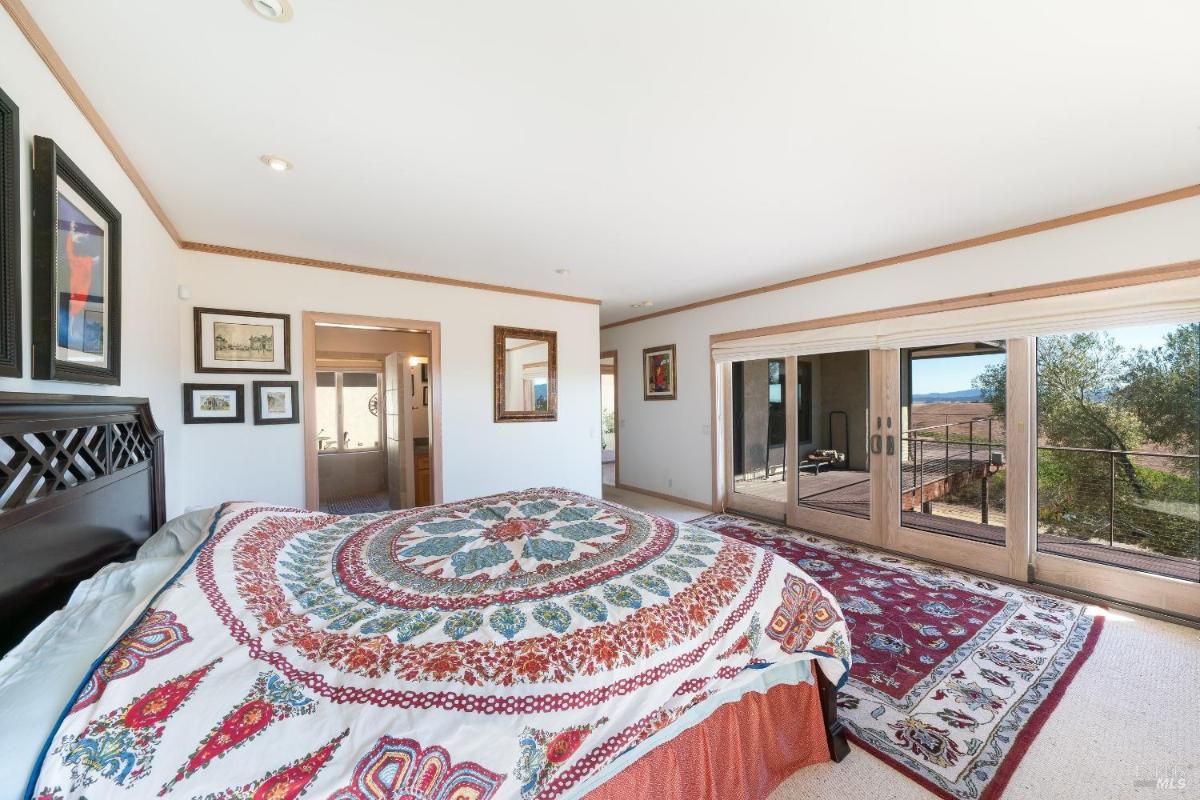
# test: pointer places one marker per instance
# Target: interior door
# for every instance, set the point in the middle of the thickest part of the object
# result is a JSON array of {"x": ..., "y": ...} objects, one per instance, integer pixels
[{"x": 398, "y": 431}]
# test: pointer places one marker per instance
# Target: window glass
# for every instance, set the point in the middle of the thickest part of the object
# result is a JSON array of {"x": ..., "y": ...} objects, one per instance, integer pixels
[{"x": 360, "y": 411}]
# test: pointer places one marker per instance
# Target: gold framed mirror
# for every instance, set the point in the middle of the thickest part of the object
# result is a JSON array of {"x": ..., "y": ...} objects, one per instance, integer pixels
[{"x": 525, "y": 370}]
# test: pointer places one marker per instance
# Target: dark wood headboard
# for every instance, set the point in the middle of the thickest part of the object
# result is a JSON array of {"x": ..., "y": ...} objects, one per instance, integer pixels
[{"x": 81, "y": 486}]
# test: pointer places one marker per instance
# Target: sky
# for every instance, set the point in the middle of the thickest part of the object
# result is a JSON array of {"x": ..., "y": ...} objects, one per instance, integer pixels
[{"x": 934, "y": 375}]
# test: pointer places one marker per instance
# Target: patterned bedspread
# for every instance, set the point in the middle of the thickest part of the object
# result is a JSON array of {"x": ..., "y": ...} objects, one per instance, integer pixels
[{"x": 503, "y": 647}]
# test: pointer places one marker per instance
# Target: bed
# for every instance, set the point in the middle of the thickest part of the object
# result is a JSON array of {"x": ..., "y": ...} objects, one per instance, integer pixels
[{"x": 534, "y": 644}]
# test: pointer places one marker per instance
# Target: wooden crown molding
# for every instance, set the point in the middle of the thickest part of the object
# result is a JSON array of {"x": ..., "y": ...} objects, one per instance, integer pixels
[
  {"x": 58, "y": 68},
  {"x": 379, "y": 272},
  {"x": 1112, "y": 280},
  {"x": 978, "y": 241},
  {"x": 41, "y": 45}
]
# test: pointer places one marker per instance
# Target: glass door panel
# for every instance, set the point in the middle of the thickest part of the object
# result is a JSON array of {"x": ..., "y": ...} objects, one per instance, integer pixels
[
  {"x": 953, "y": 440},
  {"x": 833, "y": 486},
  {"x": 1118, "y": 448},
  {"x": 759, "y": 437}
]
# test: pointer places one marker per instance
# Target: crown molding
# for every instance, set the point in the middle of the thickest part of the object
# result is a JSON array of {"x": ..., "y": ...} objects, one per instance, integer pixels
[
  {"x": 41, "y": 45},
  {"x": 978, "y": 241},
  {"x": 379, "y": 272}
]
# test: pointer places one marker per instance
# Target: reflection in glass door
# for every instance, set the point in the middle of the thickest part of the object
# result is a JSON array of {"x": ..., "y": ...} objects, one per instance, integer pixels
[
  {"x": 759, "y": 437},
  {"x": 833, "y": 483},
  {"x": 953, "y": 443}
]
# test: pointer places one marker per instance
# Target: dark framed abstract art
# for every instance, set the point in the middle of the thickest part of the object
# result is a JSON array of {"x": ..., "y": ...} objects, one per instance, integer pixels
[
  {"x": 10, "y": 240},
  {"x": 658, "y": 373},
  {"x": 76, "y": 273}
]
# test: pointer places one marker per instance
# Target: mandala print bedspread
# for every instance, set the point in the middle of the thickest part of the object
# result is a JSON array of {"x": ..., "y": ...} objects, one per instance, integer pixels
[{"x": 506, "y": 647}]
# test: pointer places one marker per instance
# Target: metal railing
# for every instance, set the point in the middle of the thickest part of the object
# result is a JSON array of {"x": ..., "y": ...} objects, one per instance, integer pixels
[
  {"x": 953, "y": 454},
  {"x": 1090, "y": 493}
]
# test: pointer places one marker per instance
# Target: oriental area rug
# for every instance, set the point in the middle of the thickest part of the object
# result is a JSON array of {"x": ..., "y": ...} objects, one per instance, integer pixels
[{"x": 953, "y": 675}]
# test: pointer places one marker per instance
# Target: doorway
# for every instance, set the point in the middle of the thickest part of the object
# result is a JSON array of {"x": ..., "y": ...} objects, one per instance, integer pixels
[
  {"x": 372, "y": 425},
  {"x": 610, "y": 464}
]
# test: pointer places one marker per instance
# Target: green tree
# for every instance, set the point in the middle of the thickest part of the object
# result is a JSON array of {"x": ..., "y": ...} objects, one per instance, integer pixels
[{"x": 1161, "y": 387}]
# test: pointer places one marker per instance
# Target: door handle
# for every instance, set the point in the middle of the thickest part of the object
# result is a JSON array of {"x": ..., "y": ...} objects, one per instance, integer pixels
[
  {"x": 891, "y": 445},
  {"x": 877, "y": 443}
]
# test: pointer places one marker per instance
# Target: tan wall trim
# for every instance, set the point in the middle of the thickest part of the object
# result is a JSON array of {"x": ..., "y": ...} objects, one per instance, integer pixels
[
  {"x": 1113, "y": 280},
  {"x": 37, "y": 39},
  {"x": 380, "y": 272},
  {"x": 978, "y": 241},
  {"x": 683, "y": 501}
]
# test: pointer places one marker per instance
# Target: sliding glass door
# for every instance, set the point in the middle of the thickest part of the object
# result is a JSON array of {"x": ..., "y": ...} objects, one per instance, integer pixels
[
  {"x": 759, "y": 444},
  {"x": 1118, "y": 463},
  {"x": 1068, "y": 460},
  {"x": 831, "y": 467}
]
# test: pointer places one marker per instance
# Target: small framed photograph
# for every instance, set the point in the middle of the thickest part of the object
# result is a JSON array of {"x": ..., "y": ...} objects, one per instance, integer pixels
[
  {"x": 275, "y": 402},
  {"x": 425, "y": 396},
  {"x": 213, "y": 402},
  {"x": 242, "y": 341},
  {"x": 658, "y": 372},
  {"x": 75, "y": 274}
]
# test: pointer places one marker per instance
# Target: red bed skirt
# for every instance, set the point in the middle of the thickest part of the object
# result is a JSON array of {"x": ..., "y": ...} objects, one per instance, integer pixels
[{"x": 744, "y": 750}]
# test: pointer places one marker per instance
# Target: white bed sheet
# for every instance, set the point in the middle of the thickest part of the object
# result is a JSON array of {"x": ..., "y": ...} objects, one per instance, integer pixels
[{"x": 39, "y": 676}]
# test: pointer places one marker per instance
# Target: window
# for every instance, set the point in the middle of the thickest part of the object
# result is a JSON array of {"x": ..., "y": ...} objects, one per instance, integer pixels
[{"x": 348, "y": 412}]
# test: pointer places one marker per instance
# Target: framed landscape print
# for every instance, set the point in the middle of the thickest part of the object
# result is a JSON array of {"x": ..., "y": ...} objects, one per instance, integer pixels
[
  {"x": 10, "y": 241},
  {"x": 276, "y": 402},
  {"x": 658, "y": 372},
  {"x": 75, "y": 275},
  {"x": 213, "y": 402},
  {"x": 242, "y": 341}
]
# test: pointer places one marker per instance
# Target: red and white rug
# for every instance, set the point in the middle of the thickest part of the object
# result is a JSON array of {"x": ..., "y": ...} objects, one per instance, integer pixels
[{"x": 953, "y": 675}]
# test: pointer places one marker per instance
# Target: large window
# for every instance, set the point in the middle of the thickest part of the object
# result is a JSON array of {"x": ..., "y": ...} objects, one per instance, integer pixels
[
  {"x": 347, "y": 409},
  {"x": 804, "y": 402},
  {"x": 1118, "y": 456}
]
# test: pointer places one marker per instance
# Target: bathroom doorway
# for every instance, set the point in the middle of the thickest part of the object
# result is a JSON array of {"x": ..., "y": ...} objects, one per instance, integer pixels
[{"x": 371, "y": 413}]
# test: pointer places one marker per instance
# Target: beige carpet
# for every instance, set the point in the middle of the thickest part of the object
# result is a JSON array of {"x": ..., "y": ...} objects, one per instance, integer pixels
[{"x": 1128, "y": 726}]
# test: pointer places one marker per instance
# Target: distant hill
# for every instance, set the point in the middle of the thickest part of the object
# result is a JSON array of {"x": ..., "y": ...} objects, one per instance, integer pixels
[{"x": 961, "y": 396}]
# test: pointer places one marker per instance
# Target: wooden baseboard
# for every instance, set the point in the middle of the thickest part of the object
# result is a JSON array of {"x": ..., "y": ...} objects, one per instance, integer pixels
[{"x": 683, "y": 501}]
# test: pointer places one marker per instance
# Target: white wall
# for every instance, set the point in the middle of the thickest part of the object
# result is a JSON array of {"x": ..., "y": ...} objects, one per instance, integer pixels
[
  {"x": 149, "y": 311},
  {"x": 666, "y": 445},
  {"x": 265, "y": 463}
]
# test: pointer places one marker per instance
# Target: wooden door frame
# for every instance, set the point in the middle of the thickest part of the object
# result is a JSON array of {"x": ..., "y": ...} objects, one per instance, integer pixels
[
  {"x": 616, "y": 417},
  {"x": 309, "y": 322}
]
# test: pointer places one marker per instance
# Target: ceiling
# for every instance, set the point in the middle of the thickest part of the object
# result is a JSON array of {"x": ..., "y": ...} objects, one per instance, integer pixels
[{"x": 657, "y": 149}]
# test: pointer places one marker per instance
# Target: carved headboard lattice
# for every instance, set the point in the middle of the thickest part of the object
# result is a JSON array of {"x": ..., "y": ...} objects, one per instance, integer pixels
[{"x": 81, "y": 485}]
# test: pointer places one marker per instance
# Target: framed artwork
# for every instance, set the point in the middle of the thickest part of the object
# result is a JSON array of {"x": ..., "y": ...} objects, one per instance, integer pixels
[
  {"x": 658, "y": 373},
  {"x": 525, "y": 374},
  {"x": 425, "y": 395},
  {"x": 276, "y": 402},
  {"x": 10, "y": 241},
  {"x": 242, "y": 341},
  {"x": 75, "y": 275},
  {"x": 213, "y": 402}
]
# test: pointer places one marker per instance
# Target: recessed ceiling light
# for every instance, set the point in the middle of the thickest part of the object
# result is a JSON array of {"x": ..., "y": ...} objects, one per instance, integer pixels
[
  {"x": 563, "y": 271},
  {"x": 272, "y": 10},
  {"x": 643, "y": 304},
  {"x": 276, "y": 163}
]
